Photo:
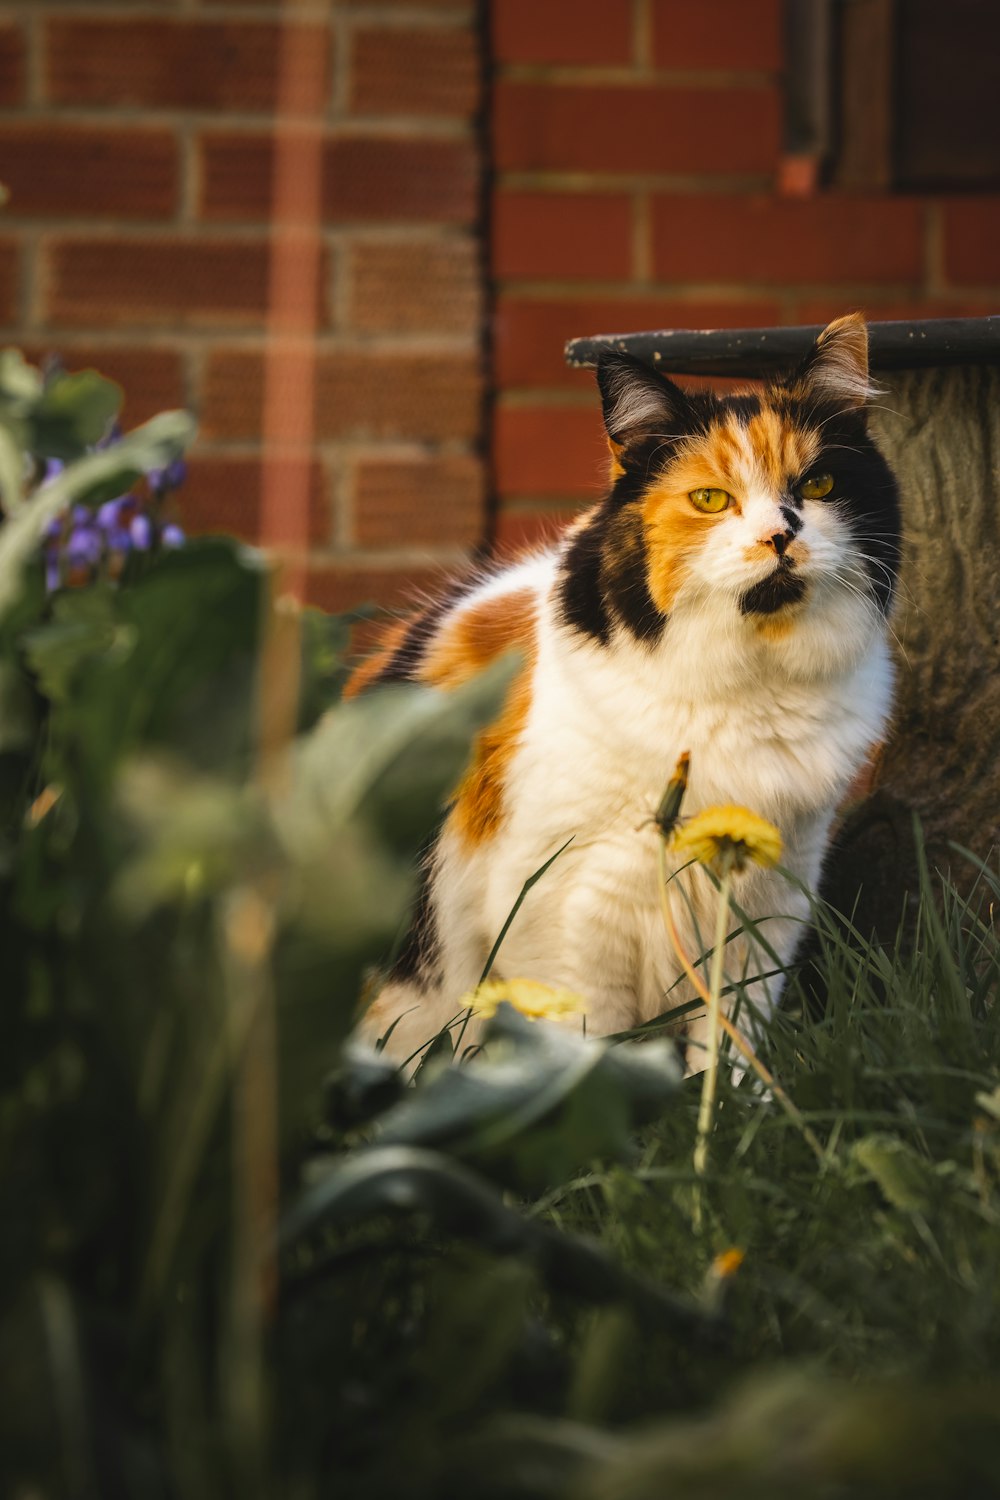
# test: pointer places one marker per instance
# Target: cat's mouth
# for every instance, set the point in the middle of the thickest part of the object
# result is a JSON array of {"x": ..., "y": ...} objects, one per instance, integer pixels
[{"x": 777, "y": 591}]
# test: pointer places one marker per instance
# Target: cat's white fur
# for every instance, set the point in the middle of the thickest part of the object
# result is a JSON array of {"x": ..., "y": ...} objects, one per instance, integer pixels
[{"x": 779, "y": 723}]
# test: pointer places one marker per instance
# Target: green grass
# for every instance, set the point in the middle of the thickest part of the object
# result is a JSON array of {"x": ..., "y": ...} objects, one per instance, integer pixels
[{"x": 885, "y": 1257}]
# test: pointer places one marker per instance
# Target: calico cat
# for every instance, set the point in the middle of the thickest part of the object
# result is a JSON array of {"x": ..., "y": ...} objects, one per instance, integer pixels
[{"x": 727, "y": 598}]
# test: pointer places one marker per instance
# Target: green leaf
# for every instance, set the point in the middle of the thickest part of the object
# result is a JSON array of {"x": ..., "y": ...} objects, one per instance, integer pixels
[
  {"x": 73, "y": 413},
  {"x": 391, "y": 757},
  {"x": 177, "y": 671},
  {"x": 21, "y": 384},
  {"x": 12, "y": 462},
  {"x": 82, "y": 625},
  {"x": 197, "y": 835},
  {"x": 904, "y": 1177},
  {"x": 542, "y": 1102},
  {"x": 18, "y": 717}
]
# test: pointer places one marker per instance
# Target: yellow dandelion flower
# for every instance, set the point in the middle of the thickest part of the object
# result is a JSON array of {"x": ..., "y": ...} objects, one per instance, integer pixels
[
  {"x": 539, "y": 1002},
  {"x": 728, "y": 838},
  {"x": 728, "y": 1263}
]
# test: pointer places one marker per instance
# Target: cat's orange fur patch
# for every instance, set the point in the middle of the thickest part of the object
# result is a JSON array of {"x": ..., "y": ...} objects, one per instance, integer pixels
[
  {"x": 478, "y": 811},
  {"x": 775, "y": 627},
  {"x": 373, "y": 666},
  {"x": 477, "y": 635},
  {"x": 779, "y": 448},
  {"x": 674, "y": 528}
]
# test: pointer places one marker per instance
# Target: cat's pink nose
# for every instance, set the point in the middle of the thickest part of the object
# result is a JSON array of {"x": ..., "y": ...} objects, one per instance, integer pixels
[{"x": 778, "y": 542}]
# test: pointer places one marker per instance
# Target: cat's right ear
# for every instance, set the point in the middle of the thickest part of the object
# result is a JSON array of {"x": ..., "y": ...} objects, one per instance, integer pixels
[{"x": 638, "y": 403}]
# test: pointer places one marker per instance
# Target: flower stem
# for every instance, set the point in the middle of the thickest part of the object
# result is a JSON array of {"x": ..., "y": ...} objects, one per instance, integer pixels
[
  {"x": 706, "y": 1109},
  {"x": 736, "y": 1036}
]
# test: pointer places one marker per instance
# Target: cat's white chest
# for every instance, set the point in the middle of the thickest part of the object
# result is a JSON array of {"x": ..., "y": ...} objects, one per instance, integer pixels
[{"x": 603, "y": 737}]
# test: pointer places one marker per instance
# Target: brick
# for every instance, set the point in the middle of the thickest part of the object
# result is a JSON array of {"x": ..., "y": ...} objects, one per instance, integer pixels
[
  {"x": 877, "y": 310},
  {"x": 74, "y": 171},
  {"x": 402, "y": 502},
  {"x": 529, "y": 334},
  {"x": 554, "y": 450},
  {"x": 374, "y": 179},
  {"x": 565, "y": 236},
  {"x": 197, "y": 64},
  {"x": 972, "y": 241},
  {"x": 404, "y": 71},
  {"x": 222, "y": 493},
  {"x": 522, "y": 529},
  {"x": 359, "y": 394},
  {"x": 384, "y": 395},
  {"x": 340, "y": 586},
  {"x": 717, "y": 34},
  {"x": 404, "y": 179},
  {"x": 466, "y": 7},
  {"x": 578, "y": 128},
  {"x": 13, "y": 64},
  {"x": 10, "y": 280},
  {"x": 780, "y": 241},
  {"x": 199, "y": 283},
  {"x": 581, "y": 31},
  {"x": 152, "y": 380},
  {"x": 433, "y": 286}
]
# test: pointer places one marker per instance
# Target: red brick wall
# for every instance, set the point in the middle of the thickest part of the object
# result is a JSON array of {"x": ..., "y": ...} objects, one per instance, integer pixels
[
  {"x": 636, "y": 147},
  {"x": 137, "y": 140},
  {"x": 635, "y": 152}
]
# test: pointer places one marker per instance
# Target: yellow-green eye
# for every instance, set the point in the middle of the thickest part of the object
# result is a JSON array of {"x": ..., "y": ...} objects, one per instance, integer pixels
[
  {"x": 710, "y": 501},
  {"x": 816, "y": 486}
]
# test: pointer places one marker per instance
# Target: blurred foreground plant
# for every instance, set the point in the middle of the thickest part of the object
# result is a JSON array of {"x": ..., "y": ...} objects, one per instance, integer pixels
[{"x": 157, "y": 897}]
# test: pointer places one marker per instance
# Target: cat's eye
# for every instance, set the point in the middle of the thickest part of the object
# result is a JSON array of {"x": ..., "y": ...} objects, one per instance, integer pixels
[
  {"x": 710, "y": 501},
  {"x": 816, "y": 486}
]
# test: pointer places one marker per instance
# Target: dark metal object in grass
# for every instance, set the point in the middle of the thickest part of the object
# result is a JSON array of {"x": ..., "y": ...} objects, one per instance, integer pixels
[{"x": 409, "y": 1180}]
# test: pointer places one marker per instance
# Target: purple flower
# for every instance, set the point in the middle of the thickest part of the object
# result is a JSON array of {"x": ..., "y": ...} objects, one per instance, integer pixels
[
  {"x": 172, "y": 536},
  {"x": 114, "y": 515},
  {"x": 84, "y": 546},
  {"x": 170, "y": 478},
  {"x": 53, "y": 571},
  {"x": 141, "y": 532},
  {"x": 51, "y": 467},
  {"x": 81, "y": 554}
]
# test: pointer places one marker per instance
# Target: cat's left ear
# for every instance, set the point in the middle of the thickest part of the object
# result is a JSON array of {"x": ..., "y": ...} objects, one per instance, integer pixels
[
  {"x": 836, "y": 367},
  {"x": 638, "y": 403}
]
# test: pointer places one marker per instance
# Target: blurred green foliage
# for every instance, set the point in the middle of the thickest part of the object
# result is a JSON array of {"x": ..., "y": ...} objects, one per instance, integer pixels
[{"x": 241, "y": 1257}]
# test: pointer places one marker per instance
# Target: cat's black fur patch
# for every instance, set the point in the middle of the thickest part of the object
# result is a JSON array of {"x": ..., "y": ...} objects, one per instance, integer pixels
[
  {"x": 581, "y": 599},
  {"x": 625, "y": 576},
  {"x": 605, "y": 576},
  {"x": 406, "y": 660},
  {"x": 865, "y": 493},
  {"x": 744, "y": 408},
  {"x": 418, "y": 957},
  {"x": 776, "y": 591}
]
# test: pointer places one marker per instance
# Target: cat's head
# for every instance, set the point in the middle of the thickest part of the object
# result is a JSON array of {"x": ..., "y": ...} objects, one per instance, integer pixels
[{"x": 774, "y": 502}]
